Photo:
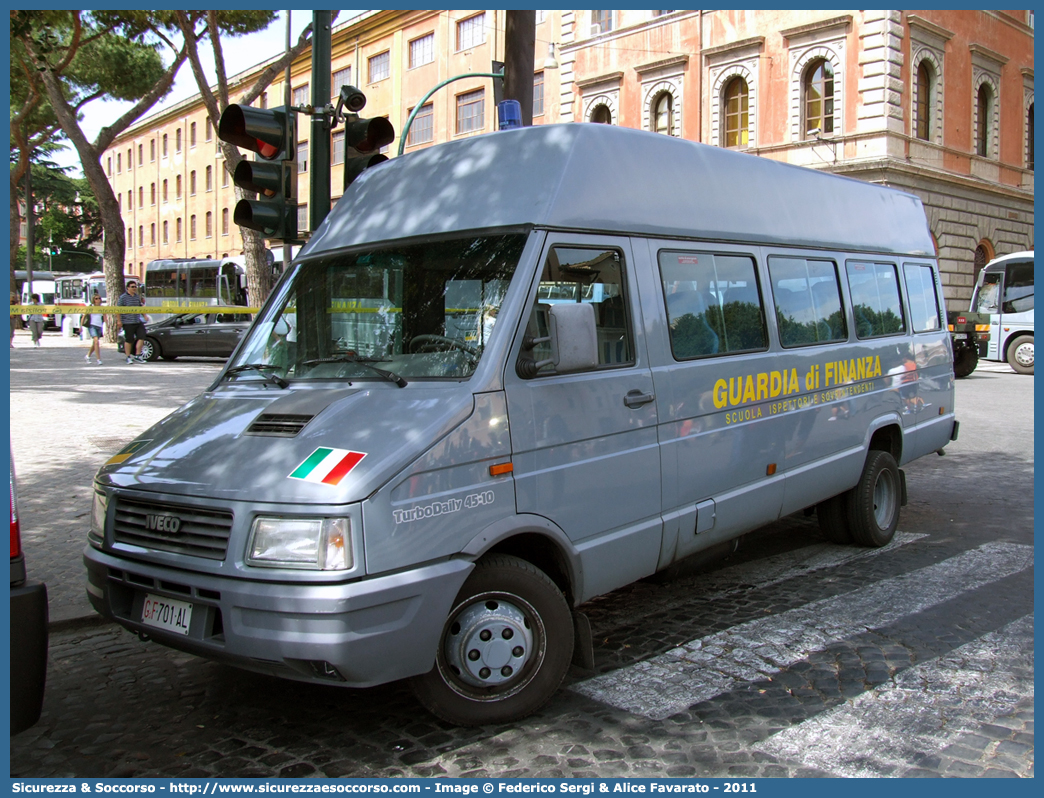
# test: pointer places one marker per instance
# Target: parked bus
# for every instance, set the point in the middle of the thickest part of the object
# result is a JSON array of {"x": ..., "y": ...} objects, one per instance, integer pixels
[
  {"x": 1004, "y": 292},
  {"x": 43, "y": 287},
  {"x": 481, "y": 397},
  {"x": 194, "y": 284},
  {"x": 75, "y": 291}
]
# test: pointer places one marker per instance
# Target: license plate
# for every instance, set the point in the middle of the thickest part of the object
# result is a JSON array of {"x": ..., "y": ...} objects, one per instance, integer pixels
[{"x": 164, "y": 613}]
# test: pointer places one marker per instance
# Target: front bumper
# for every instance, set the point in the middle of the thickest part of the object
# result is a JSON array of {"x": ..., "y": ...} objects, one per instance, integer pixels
[{"x": 356, "y": 634}]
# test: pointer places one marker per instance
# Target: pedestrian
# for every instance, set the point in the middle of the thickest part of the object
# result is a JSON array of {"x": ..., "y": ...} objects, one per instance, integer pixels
[
  {"x": 36, "y": 322},
  {"x": 14, "y": 317},
  {"x": 132, "y": 324},
  {"x": 94, "y": 323}
]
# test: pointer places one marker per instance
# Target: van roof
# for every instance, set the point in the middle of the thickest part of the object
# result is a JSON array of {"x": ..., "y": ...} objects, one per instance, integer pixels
[{"x": 591, "y": 177}]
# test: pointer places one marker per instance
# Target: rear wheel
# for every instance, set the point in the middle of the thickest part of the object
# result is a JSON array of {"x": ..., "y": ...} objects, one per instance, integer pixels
[
  {"x": 965, "y": 359},
  {"x": 1020, "y": 354},
  {"x": 833, "y": 520},
  {"x": 505, "y": 649},
  {"x": 873, "y": 504}
]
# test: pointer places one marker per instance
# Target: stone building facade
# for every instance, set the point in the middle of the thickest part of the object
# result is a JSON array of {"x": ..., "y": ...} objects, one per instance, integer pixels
[{"x": 937, "y": 103}]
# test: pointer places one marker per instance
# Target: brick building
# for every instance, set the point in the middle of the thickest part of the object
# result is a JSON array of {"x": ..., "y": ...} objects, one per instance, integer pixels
[{"x": 938, "y": 103}]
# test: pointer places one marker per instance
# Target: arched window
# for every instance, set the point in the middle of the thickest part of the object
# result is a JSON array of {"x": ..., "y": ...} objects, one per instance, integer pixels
[
  {"x": 602, "y": 115},
  {"x": 983, "y": 255},
  {"x": 924, "y": 93},
  {"x": 736, "y": 117},
  {"x": 819, "y": 98},
  {"x": 663, "y": 114},
  {"x": 984, "y": 108}
]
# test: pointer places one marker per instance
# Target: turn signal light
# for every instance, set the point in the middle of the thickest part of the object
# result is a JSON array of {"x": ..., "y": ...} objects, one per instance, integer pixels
[{"x": 500, "y": 468}]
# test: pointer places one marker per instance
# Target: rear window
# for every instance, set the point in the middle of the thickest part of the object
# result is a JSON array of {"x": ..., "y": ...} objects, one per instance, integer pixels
[{"x": 924, "y": 302}]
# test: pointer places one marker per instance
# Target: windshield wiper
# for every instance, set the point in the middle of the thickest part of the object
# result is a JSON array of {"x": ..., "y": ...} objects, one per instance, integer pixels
[
  {"x": 367, "y": 362},
  {"x": 259, "y": 367}
]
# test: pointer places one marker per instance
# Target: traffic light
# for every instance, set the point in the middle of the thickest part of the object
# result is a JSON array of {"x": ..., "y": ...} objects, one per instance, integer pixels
[
  {"x": 271, "y": 134},
  {"x": 363, "y": 139}
]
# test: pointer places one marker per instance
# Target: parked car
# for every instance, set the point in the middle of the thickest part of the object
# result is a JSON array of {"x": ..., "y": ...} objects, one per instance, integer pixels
[
  {"x": 193, "y": 335},
  {"x": 28, "y": 632}
]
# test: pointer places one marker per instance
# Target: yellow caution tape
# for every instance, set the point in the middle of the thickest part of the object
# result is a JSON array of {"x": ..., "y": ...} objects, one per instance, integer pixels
[{"x": 79, "y": 310}]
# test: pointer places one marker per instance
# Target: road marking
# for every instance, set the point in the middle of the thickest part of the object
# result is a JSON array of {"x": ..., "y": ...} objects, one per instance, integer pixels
[
  {"x": 929, "y": 706},
  {"x": 738, "y": 578},
  {"x": 702, "y": 669}
]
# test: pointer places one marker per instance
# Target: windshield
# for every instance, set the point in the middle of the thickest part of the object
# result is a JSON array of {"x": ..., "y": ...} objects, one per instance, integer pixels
[{"x": 420, "y": 311}]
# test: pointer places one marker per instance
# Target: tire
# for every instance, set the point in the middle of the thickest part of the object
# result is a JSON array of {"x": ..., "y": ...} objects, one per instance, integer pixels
[
  {"x": 478, "y": 679},
  {"x": 833, "y": 519},
  {"x": 873, "y": 504},
  {"x": 149, "y": 349},
  {"x": 965, "y": 359},
  {"x": 1020, "y": 354}
]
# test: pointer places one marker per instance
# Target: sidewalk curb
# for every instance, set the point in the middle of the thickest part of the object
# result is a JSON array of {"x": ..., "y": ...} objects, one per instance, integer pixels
[{"x": 78, "y": 623}]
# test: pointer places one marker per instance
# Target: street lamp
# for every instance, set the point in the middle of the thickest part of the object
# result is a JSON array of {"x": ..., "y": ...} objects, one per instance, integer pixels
[
  {"x": 426, "y": 97},
  {"x": 551, "y": 62}
]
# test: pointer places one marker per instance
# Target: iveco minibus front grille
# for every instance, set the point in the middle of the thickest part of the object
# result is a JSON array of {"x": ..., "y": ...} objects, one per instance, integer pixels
[
  {"x": 278, "y": 425},
  {"x": 178, "y": 529}
]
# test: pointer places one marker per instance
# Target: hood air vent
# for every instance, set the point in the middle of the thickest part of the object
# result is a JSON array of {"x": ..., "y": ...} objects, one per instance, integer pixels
[{"x": 278, "y": 425}]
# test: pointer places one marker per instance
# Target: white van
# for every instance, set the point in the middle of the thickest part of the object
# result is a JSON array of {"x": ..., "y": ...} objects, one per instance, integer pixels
[{"x": 514, "y": 372}]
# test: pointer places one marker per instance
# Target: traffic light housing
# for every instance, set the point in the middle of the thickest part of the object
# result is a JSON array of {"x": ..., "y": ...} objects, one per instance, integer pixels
[
  {"x": 271, "y": 134},
  {"x": 363, "y": 139}
]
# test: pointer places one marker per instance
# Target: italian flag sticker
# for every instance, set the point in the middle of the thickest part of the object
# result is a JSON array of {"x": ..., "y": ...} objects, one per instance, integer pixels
[{"x": 327, "y": 466}]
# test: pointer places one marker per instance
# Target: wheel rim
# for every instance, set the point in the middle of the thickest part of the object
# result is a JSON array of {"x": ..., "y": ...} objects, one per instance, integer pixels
[
  {"x": 492, "y": 646},
  {"x": 146, "y": 349},
  {"x": 884, "y": 499},
  {"x": 1024, "y": 354}
]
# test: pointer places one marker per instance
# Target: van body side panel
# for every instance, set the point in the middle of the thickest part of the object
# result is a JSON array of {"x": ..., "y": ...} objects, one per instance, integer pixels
[
  {"x": 720, "y": 451},
  {"x": 436, "y": 505}
]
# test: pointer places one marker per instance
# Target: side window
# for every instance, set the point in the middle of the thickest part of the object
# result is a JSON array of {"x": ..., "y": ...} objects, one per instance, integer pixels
[
  {"x": 594, "y": 276},
  {"x": 808, "y": 301},
  {"x": 713, "y": 304},
  {"x": 1018, "y": 287},
  {"x": 986, "y": 299},
  {"x": 924, "y": 302},
  {"x": 875, "y": 299}
]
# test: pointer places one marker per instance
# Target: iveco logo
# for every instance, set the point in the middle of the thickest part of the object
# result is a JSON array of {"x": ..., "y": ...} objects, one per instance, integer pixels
[{"x": 163, "y": 523}]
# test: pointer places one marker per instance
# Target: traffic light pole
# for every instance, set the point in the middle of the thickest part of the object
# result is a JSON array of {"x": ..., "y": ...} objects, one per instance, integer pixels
[{"x": 319, "y": 143}]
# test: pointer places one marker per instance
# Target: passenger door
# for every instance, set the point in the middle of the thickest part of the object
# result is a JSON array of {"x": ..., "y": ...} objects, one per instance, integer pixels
[
  {"x": 584, "y": 445},
  {"x": 718, "y": 385}
]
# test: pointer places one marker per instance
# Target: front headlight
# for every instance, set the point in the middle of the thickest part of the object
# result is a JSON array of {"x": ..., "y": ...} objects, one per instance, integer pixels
[
  {"x": 320, "y": 544},
  {"x": 99, "y": 508}
]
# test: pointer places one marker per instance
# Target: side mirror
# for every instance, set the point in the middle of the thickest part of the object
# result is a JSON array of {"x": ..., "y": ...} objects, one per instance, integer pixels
[{"x": 573, "y": 339}]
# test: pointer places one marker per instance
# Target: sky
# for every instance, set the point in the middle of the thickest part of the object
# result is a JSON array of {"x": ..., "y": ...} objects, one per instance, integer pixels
[{"x": 240, "y": 54}]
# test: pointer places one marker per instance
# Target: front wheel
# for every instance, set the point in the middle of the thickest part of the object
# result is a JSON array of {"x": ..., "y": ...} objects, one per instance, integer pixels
[
  {"x": 149, "y": 349},
  {"x": 505, "y": 648},
  {"x": 1020, "y": 354},
  {"x": 873, "y": 504}
]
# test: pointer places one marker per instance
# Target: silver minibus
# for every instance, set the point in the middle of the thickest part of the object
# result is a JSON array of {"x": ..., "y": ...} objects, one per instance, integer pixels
[{"x": 514, "y": 372}]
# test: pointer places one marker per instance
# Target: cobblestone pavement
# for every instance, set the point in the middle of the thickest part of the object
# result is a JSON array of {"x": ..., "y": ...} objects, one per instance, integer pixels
[
  {"x": 793, "y": 658},
  {"x": 67, "y": 418}
]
